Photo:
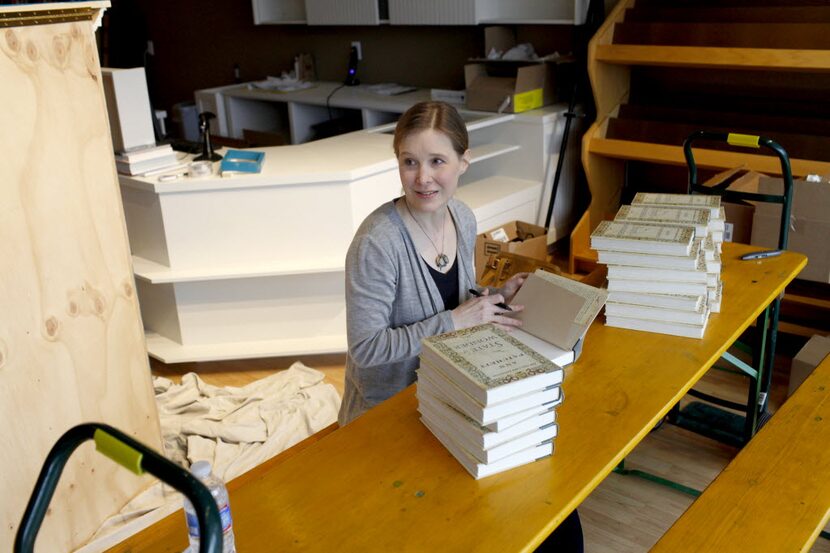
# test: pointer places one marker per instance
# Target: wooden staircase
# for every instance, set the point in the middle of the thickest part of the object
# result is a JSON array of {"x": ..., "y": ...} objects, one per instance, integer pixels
[{"x": 661, "y": 69}]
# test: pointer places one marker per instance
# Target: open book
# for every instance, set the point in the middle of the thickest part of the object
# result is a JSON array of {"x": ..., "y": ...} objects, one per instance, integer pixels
[{"x": 557, "y": 313}]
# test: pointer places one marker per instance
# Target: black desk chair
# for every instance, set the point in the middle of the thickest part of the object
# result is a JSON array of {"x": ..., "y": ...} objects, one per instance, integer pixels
[{"x": 706, "y": 418}]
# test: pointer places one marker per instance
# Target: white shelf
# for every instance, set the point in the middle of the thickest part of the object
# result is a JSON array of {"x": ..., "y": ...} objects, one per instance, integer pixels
[
  {"x": 168, "y": 351},
  {"x": 497, "y": 200},
  {"x": 487, "y": 151},
  {"x": 156, "y": 273}
]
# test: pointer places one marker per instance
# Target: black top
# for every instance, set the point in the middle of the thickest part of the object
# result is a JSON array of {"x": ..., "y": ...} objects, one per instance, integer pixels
[{"x": 447, "y": 284}]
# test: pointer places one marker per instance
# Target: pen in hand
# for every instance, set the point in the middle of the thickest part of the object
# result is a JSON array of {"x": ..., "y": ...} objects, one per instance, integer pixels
[
  {"x": 761, "y": 255},
  {"x": 501, "y": 305}
]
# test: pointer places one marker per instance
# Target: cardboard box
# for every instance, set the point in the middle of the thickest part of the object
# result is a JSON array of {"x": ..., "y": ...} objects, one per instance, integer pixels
[
  {"x": 509, "y": 86},
  {"x": 809, "y": 223},
  {"x": 514, "y": 237},
  {"x": 807, "y": 359}
]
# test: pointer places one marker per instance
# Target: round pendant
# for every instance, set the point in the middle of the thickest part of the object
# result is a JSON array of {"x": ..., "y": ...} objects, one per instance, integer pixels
[{"x": 442, "y": 261}]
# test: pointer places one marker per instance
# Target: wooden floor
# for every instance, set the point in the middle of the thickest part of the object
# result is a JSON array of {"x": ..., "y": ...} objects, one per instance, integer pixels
[{"x": 625, "y": 513}]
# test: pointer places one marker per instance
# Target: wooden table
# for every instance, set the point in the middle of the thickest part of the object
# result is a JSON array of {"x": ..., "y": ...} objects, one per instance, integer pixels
[
  {"x": 384, "y": 483},
  {"x": 775, "y": 495}
]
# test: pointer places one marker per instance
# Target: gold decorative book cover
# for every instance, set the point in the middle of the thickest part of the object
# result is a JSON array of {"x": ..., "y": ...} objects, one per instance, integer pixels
[
  {"x": 688, "y": 200},
  {"x": 667, "y": 215},
  {"x": 489, "y": 356}
]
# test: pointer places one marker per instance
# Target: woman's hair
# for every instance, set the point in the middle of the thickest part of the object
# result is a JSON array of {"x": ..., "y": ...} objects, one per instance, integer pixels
[{"x": 438, "y": 116}]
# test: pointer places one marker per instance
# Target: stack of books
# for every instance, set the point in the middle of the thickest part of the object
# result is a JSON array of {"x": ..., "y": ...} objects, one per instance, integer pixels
[
  {"x": 489, "y": 398},
  {"x": 664, "y": 263},
  {"x": 145, "y": 160}
]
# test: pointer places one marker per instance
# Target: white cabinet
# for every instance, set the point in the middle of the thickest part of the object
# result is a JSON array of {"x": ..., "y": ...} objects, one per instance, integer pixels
[
  {"x": 473, "y": 12},
  {"x": 343, "y": 12},
  {"x": 279, "y": 12}
]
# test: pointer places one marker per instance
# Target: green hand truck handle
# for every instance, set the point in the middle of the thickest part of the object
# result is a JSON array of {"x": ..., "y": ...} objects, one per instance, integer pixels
[
  {"x": 132, "y": 455},
  {"x": 749, "y": 141}
]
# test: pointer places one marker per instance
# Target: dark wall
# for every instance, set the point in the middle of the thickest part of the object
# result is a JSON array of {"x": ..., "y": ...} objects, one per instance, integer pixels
[{"x": 197, "y": 44}]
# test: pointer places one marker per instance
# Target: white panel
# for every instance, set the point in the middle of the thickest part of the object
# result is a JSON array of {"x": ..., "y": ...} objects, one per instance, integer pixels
[
  {"x": 522, "y": 212},
  {"x": 496, "y": 197},
  {"x": 373, "y": 118},
  {"x": 278, "y": 11},
  {"x": 543, "y": 11},
  {"x": 158, "y": 309},
  {"x": 255, "y": 115},
  {"x": 368, "y": 194},
  {"x": 302, "y": 224},
  {"x": 290, "y": 307},
  {"x": 432, "y": 12},
  {"x": 342, "y": 12},
  {"x": 145, "y": 225}
]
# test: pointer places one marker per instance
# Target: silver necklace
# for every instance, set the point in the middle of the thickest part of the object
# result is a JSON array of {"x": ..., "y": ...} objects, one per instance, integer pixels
[{"x": 441, "y": 260}]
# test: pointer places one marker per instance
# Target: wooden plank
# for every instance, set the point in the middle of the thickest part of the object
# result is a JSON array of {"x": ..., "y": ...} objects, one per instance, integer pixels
[
  {"x": 775, "y": 495},
  {"x": 714, "y": 159},
  {"x": 71, "y": 340},
  {"x": 772, "y": 35},
  {"x": 762, "y": 59}
]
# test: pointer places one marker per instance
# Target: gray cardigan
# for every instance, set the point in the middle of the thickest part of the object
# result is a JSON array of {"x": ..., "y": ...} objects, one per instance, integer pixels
[{"x": 392, "y": 302}]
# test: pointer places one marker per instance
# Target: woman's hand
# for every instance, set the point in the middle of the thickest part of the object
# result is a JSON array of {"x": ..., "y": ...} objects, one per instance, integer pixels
[
  {"x": 512, "y": 285},
  {"x": 482, "y": 310}
]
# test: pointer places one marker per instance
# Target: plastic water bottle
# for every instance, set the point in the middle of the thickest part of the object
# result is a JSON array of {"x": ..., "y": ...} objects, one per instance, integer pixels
[{"x": 202, "y": 471}]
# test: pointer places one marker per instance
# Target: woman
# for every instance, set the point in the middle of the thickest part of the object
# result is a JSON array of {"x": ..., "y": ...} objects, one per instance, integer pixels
[
  {"x": 410, "y": 265},
  {"x": 409, "y": 270}
]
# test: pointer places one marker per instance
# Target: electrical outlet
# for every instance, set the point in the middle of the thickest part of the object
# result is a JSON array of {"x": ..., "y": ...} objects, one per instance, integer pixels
[
  {"x": 151, "y": 49},
  {"x": 359, "y": 48}
]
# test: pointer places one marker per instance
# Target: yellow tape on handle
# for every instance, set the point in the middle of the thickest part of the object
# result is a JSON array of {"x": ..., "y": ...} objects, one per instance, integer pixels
[
  {"x": 118, "y": 451},
  {"x": 747, "y": 140}
]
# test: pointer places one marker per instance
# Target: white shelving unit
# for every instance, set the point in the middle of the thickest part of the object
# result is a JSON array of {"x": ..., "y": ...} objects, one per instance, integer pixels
[
  {"x": 421, "y": 12},
  {"x": 283, "y": 12},
  {"x": 253, "y": 265},
  {"x": 343, "y": 12},
  {"x": 473, "y": 12}
]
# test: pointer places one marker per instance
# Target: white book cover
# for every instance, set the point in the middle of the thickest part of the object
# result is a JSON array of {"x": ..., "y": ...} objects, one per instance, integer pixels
[
  {"x": 715, "y": 265},
  {"x": 558, "y": 310},
  {"x": 534, "y": 437},
  {"x": 510, "y": 420},
  {"x": 555, "y": 354},
  {"x": 716, "y": 298},
  {"x": 685, "y": 262},
  {"x": 653, "y": 287},
  {"x": 657, "y": 313},
  {"x": 437, "y": 384},
  {"x": 695, "y": 217},
  {"x": 698, "y": 274},
  {"x": 481, "y": 437},
  {"x": 482, "y": 470},
  {"x": 489, "y": 364},
  {"x": 680, "y": 200},
  {"x": 710, "y": 249},
  {"x": 659, "y": 327},
  {"x": 642, "y": 238},
  {"x": 668, "y": 301}
]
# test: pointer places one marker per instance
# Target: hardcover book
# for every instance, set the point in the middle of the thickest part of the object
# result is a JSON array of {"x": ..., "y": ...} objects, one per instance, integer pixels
[
  {"x": 697, "y": 218},
  {"x": 667, "y": 301},
  {"x": 530, "y": 438},
  {"x": 478, "y": 436},
  {"x": 558, "y": 310},
  {"x": 657, "y": 313},
  {"x": 437, "y": 383},
  {"x": 642, "y": 238},
  {"x": 481, "y": 470},
  {"x": 656, "y": 287},
  {"x": 489, "y": 364},
  {"x": 687, "y": 262},
  {"x": 680, "y": 200},
  {"x": 660, "y": 327},
  {"x": 698, "y": 274}
]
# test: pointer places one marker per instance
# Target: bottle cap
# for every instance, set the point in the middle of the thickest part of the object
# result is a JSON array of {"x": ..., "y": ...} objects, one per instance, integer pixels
[{"x": 200, "y": 469}]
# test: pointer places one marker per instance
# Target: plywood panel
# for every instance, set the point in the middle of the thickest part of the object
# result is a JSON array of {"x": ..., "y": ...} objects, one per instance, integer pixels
[{"x": 71, "y": 342}]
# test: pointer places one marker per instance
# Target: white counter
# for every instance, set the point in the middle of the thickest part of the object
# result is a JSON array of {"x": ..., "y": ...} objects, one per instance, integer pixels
[{"x": 252, "y": 265}]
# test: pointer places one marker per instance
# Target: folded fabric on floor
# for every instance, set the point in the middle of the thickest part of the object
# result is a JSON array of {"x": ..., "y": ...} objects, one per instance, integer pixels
[{"x": 235, "y": 428}]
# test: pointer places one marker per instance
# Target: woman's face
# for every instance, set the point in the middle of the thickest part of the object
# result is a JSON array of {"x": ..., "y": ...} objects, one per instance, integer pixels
[{"x": 429, "y": 168}]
